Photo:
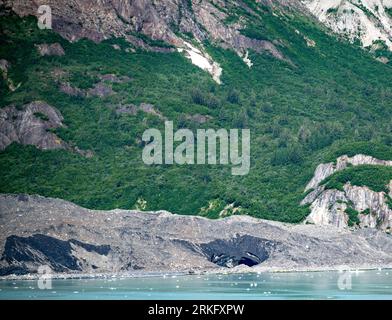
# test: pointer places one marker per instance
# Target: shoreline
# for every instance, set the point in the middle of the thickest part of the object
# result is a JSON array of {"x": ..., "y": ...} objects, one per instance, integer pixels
[
  {"x": 125, "y": 244},
  {"x": 203, "y": 272}
]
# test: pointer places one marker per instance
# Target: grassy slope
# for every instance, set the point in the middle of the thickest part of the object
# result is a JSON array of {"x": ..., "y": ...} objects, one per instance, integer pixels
[{"x": 335, "y": 99}]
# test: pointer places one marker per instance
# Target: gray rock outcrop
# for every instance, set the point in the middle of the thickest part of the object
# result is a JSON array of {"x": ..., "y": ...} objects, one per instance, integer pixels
[
  {"x": 100, "y": 89},
  {"x": 4, "y": 67},
  {"x": 35, "y": 230},
  {"x": 114, "y": 78},
  {"x": 168, "y": 24},
  {"x": 61, "y": 256},
  {"x": 365, "y": 20},
  {"x": 68, "y": 89},
  {"x": 31, "y": 125},
  {"x": 53, "y": 49},
  {"x": 198, "y": 118},
  {"x": 133, "y": 109},
  {"x": 331, "y": 206},
  {"x": 120, "y": 18}
]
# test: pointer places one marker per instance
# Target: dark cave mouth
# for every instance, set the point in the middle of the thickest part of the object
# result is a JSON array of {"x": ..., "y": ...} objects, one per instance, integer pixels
[
  {"x": 225, "y": 260},
  {"x": 240, "y": 250}
]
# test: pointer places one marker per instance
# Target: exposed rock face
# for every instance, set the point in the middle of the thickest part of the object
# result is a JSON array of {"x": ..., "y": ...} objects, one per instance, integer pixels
[
  {"x": 198, "y": 118},
  {"x": 4, "y": 67},
  {"x": 241, "y": 250},
  {"x": 211, "y": 18},
  {"x": 23, "y": 253},
  {"x": 114, "y": 79},
  {"x": 159, "y": 20},
  {"x": 379, "y": 214},
  {"x": 31, "y": 125},
  {"x": 54, "y": 49},
  {"x": 134, "y": 109},
  {"x": 77, "y": 19},
  {"x": 36, "y": 230},
  {"x": 329, "y": 209},
  {"x": 329, "y": 206},
  {"x": 100, "y": 90},
  {"x": 366, "y": 20},
  {"x": 68, "y": 89},
  {"x": 384, "y": 60},
  {"x": 325, "y": 170},
  {"x": 58, "y": 73}
]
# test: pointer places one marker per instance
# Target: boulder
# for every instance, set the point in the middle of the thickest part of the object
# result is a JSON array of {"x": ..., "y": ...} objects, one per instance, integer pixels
[
  {"x": 54, "y": 49},
  {"x": 31, "y": 124}
]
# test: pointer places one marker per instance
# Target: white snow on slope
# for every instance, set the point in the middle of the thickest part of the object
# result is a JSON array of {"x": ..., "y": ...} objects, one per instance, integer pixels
[
  {"x": 202, "y": 60},
  {"x": 247, "y": 60},
  {"x": 366, "y": 20}
]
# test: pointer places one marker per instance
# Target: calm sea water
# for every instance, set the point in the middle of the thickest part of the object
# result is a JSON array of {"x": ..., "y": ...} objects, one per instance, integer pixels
[{"x": 311, "y": 285}]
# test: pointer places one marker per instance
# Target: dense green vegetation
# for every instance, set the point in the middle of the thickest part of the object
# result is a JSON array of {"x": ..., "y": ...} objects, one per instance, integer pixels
[
  {"x": 353, "y": 218},
  {"x": 333, "y": 99},
  {"x": 375, "y": 177},
  {"x": 41, "y": 116},
  {"x": 389, "y": 11},
  {"x": 332, "y": 10}
]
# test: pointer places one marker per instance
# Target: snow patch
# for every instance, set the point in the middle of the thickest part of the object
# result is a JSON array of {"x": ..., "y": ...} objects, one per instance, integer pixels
[
  {"x": 247, "y": 60},
  {"x": 202, "y": 60}
]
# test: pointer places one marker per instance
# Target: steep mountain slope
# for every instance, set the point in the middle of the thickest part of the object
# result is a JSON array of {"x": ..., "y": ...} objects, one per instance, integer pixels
[
  {"x": 307, "y": 101},
  {"x": 174, "y": 22},
  {"x": 366, "y": 21},
  {"x": 168, "y": 20},
  {"x": 73, "y": 240}
]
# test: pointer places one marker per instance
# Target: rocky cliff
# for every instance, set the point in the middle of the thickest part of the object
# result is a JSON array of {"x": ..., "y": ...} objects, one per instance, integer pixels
[
  {"x": 354, "y": 205},
  {"x": 37, "y": 231},
  {"x": 34, "y": 124},
  {"x": 31, "y": 124},
  {"x": 160, "y": 20},
  {"x": 4, "y": 67},
  {"x": 174, "y": 22},
  {"x": 369, "y": 21}
]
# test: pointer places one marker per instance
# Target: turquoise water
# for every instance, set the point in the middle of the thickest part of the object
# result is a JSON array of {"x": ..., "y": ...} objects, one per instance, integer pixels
[{"x": 305, "y": 285}]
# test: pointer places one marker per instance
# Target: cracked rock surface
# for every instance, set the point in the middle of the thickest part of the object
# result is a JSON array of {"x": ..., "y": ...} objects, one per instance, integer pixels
[
  {"x": 117, "y": 241},
  {"x": 31, "y": 125}
]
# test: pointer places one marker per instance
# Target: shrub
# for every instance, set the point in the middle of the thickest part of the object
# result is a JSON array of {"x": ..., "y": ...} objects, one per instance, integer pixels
[{"x": 352, "y": 216}]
